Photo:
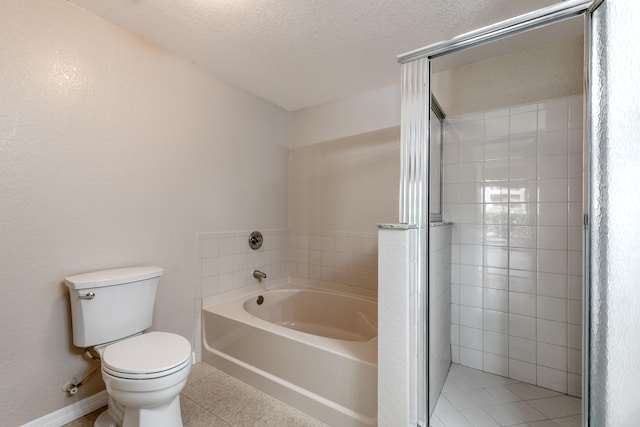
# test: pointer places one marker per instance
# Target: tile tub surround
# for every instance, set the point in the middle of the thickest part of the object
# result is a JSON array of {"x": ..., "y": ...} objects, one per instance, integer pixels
[
  {"x": 513, "y": 189},
  {"x": 343, "y": 258},
  {"x": 226, "y": 260},
  {"x": 475, "y": 398},
  {"x": 212, "y": 398},
  {"x": 346, "y": 261}
]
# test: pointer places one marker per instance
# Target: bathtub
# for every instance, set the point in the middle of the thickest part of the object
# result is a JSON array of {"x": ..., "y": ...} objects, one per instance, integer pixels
[{"x": 312, "y": 348}]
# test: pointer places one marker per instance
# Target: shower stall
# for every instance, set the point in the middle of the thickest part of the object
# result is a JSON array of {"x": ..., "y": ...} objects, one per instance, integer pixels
[{"x": 510, "y": 243}]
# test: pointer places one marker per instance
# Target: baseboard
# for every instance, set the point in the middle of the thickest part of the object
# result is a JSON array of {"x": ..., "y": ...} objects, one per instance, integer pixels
[{"x": 72, "y": 412}]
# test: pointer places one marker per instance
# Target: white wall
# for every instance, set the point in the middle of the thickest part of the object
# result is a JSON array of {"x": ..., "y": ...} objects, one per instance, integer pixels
[
  {"x": 112, "y": 153},
  {"x": 614, "y": 200},
  {"x": 346, "y": 117},
  {"x": 530, "y": 75},
  {"x": 398, "y": 370},
  {"x": 348, "y": 184},
  {"x": 339, "y": 190},
  {"x": 345, "y": 169}
]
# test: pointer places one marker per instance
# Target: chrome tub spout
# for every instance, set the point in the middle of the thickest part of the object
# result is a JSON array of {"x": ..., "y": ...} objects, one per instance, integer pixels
[{"x": 259, "y": 274}]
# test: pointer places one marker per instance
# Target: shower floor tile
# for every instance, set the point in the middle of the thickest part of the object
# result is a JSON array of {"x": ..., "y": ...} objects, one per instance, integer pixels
[{"x": 478, "y": 399}]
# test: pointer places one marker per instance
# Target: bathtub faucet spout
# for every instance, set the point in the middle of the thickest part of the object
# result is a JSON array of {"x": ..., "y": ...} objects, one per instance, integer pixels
[{"x": 259, "y": 274}]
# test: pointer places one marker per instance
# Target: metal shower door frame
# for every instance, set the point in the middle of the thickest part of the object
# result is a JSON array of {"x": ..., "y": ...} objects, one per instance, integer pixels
[{"x": 415, "y": 148}]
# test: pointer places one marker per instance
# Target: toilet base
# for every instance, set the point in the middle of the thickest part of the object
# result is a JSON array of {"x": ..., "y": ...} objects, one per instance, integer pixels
[
  {"x": 112, "y": 416},
  {"x": 168, "y": 414},
  {"x": 149, "y": 402},
  {"x": 105, "y": 420}
]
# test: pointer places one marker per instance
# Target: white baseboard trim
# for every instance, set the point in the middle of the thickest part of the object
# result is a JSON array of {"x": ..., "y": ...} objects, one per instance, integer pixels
[{"x": 72, "y": 412}]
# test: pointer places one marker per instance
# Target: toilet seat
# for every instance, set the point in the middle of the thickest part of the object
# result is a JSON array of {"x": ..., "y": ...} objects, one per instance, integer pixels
[{"x": 147, "y": 356}]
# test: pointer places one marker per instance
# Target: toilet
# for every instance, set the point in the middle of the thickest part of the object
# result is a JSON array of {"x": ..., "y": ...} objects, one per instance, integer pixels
[{"x": 144, "y": 372}]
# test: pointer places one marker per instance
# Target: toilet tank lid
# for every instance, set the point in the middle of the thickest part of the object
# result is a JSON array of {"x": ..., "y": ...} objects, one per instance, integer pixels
[{"x": 116, "y": 276}]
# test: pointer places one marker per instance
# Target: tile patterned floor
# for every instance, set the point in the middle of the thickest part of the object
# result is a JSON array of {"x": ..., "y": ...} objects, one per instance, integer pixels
[
  {"x": 212, "y": 398},
  {"x": 472, "y": 398}
]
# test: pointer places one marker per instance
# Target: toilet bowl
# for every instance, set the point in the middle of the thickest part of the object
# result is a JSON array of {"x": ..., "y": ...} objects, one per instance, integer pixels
[
  {"x": 144, "y": 376},
  {"x": 144, "y": 372}
]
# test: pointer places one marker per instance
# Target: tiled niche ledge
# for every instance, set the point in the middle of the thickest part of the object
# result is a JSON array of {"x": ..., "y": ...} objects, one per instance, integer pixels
[{"x": 340, "y": 258}]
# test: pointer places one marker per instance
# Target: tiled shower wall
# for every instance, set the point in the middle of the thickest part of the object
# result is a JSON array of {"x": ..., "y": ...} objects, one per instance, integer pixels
[
  {"x": 439, "y": 309},
  {"x": 513, "y": 189}
]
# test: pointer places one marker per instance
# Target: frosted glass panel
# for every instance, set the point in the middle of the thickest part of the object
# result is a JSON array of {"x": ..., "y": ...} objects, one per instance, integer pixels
[
  {"x": 414, "y": 185},
  {"x": 414, "y": 141},
  {"x": 435, "y": 160},
  {"x": 614, "y": 235}
]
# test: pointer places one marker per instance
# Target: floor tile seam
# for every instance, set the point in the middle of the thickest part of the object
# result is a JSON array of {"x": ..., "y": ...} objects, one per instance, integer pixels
[
  {"x": 192, "y": 400},
  {"x": 527, "y": 399},
  {"x": 208, "y": 410},
  {"x": 537, "y": 398},
  {"x": 201, "y": 379},
  {"x": 498, "y": 386},
  {"x": 475, "y": 402},
  {"x": 203, "y": 408},
  {"x": 563, "y": 418},
  {"x": 490, "y": 416},
  {"x": 462, "y": 390},
  {"x": 547, "y": 399},
  {"x": 480, "y": 406},
  {"x": 226, "y": 421},
  {"x": 449, "y": 410},
  {"x": 185, "y": 392},
  {"x": 546, "y": 417},
  {"x": 497, "y": 401}
]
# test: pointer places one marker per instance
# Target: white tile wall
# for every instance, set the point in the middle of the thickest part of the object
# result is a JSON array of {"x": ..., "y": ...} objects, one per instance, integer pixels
[
  {"x": 226, "y": 260},
  {"x": 513, "y": 190},
  {"x": 440, "y": 295},
  {"x": 342, "y": 258}
]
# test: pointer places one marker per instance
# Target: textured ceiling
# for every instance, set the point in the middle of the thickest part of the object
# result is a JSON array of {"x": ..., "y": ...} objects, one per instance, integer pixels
[{"x": 298, "y": 53}]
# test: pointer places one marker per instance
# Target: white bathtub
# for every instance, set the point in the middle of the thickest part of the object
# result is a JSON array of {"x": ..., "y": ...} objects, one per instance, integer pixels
[{"x": 311, "y": 348}]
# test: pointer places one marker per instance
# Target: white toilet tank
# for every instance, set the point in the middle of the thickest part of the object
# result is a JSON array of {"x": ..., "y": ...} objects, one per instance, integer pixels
[{"x": 112, "y": 304}]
